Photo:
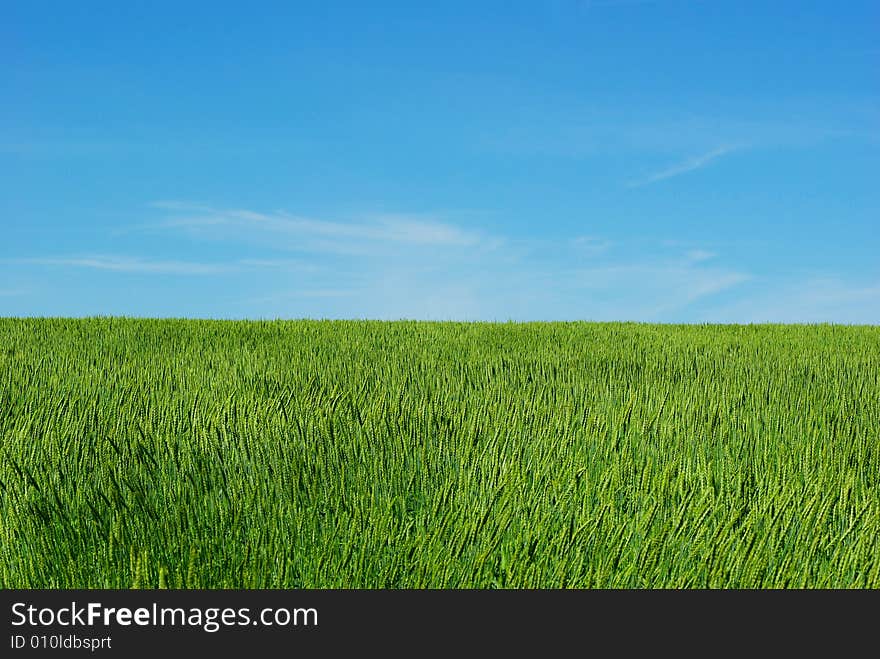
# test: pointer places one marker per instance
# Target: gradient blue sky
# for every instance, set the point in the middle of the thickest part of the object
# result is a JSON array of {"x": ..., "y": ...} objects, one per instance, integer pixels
[{"x": 668, "y": 160}]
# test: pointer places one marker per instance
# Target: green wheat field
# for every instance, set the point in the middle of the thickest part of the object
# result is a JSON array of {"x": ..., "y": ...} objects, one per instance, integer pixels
[{"x": 366, "y": 454}]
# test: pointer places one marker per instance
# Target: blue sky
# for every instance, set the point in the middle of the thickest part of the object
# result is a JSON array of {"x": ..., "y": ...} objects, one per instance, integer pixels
[{"x": 668, "y": 160}]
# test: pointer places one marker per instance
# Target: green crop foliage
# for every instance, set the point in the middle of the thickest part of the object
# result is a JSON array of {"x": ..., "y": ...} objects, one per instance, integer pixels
[{"x": 366, "y": 454}]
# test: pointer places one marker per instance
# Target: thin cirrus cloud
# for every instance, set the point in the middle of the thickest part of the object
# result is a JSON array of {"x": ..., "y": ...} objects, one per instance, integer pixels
[
  {"x": 815, "y": 299},
  {"x": 414, "y": 266},
  {"x": 514, "y": 278},
  {"x": 590, "y": 245},
  {"x": 699, "y": 255},
  {"x": 278, "y": 264},
  {"x": 689, "y": 165},
  {"x": 683, "y": 281},
  {"x": 130, "y": 264},
  {"x": 318, "y": 293},
  {"x": 311, "y": 234},
  {"x": 652, "y": 288}
]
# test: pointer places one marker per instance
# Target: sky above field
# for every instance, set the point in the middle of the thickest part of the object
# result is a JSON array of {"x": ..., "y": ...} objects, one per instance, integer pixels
[{"x": 667, "y": 160}]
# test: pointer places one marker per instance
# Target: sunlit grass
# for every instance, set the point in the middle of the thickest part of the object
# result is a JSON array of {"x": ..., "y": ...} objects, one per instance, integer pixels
[{"x": 214, "y": 454}]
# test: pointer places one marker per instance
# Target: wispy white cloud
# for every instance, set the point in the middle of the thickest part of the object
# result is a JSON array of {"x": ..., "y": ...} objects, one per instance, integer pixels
[
  {"x": 317, "y": 293},
  {"x": 128, "y": 264},
  {"x": 590, "y": 245},
  {"x": 651, "y": 289},
  {"x": 699, "y": 255},
  {"x": 597, "y": 131},
  {"x": 176, "y": 205},
  {"x": 414, "y": 266},
  {"x": 814, "y": 299},
  {"x": 279, "y": 264},
  {"x": 689, "y": 165},
  {"x": 709, "y": 283},
  {"x": 318, "y": 235},
  {"x": 420, "y": 231},
  {"x": 509, "y": 279},
  {"x": 536, "y": 287},
  {"x": 134, "y": 264}
]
